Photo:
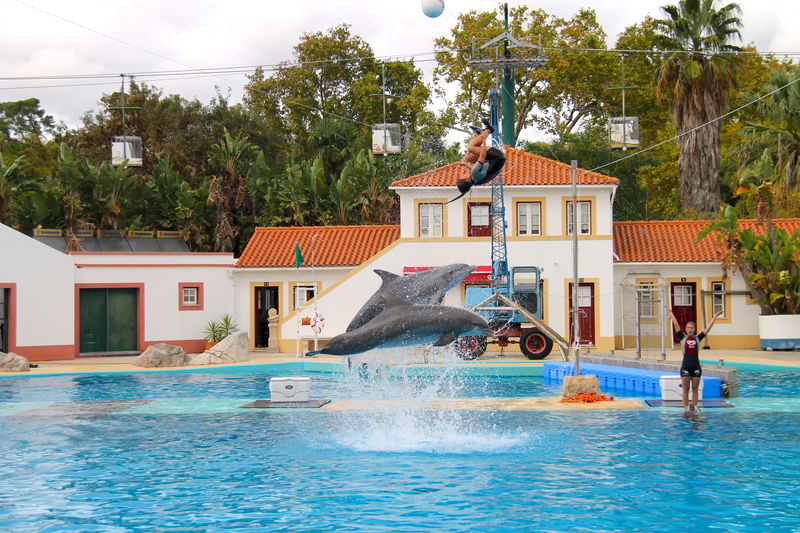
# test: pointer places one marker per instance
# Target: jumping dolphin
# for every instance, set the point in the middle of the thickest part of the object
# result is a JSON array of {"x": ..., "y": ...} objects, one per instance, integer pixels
[
  {"x": 426, "y": 287},
  {"x": 404, "y": 324}
]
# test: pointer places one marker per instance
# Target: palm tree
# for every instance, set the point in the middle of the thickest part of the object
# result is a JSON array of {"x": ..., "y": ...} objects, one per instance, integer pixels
[
  {"x": 332, "y": 140},
  {"x": 697, "y": 74},
  {"x": 769, "y": 149},
  {"x": 228, "y": 190}
]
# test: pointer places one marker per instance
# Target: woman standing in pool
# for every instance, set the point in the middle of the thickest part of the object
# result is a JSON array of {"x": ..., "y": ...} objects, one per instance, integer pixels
[{"x": 691, "y": 372}]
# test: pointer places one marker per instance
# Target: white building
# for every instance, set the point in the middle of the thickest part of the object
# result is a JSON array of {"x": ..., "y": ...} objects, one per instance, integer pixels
[
  {"x": 616, "y": 260},
  {"x": 122, "y": 295},
  {"x": 55, "y": 305},
  {"x": 433, "y": 233}
]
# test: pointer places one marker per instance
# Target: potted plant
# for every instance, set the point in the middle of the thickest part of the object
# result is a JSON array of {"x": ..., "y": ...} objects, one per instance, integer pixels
[
  {"x": 769, "y": 262},
  {"x": 216, "y": 330}
]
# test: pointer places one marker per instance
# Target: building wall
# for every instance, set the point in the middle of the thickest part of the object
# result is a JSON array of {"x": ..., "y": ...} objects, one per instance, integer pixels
[
  {"x": 553, "y": 199},
  {"x": 161, "y": 276},
  {"x": 340, "y": 300},
  {"x": 42, "y": 307},
  {"x": 551, "y": 250},
  {"x": 736, "y": 330},
  {"x": 246, "y": 279}
]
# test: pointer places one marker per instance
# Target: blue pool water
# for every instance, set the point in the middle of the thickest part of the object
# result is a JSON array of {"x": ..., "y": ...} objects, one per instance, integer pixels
[{"x": 177, "y": 454}]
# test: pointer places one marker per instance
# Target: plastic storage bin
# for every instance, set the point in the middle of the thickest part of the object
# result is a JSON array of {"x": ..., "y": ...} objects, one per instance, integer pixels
[
  {"x": 671, "y": 388},
  {"x": 290, "y": 389}
]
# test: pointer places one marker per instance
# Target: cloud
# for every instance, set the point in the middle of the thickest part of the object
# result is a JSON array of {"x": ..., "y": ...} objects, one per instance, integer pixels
[{"x": 205, "y": 34}]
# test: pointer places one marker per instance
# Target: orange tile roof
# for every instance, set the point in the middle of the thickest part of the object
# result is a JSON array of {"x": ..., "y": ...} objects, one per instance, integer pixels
[
  {"x": 333, "y": 246},
  {"x": 521, "y": 168},
  {"x": 675, "y": 241}
]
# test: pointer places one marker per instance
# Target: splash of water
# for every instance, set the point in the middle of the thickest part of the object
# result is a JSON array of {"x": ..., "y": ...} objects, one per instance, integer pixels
[{"x": 400, "y": 423}]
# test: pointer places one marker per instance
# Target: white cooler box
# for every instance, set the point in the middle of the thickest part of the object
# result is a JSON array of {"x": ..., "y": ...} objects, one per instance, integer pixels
[
  {"x": 290, "y": 389},
  {"x": 671, "y": 388}
]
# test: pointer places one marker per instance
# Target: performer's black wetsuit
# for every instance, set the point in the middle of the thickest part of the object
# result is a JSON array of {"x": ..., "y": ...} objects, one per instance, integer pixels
[{"x": 690, "y": 366}]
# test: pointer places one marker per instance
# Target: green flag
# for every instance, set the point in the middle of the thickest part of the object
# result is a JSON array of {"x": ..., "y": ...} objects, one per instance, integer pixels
[{"x": 298, "y": 256}]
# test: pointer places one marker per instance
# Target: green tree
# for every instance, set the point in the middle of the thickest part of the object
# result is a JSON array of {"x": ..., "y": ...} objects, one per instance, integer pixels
[
  {"x": 172, "y": 127},
  {"x": 590, "y": 148},
  {"x": 23, "y": 118},
  {"x": 10, "y": 183},
  {"x": 172, "y": 202},
  {"x": 767, "y": 259},
  {"x": 27, "y": 130},
  {"x": 697, "y": 75},
  {"x": 768, "y": 147},
  {"x": 639, "y": 69},
  {"x": 110, "y": 188},
  {"x": 335, "y": 75},
  {"x": 556, "y": 97}
]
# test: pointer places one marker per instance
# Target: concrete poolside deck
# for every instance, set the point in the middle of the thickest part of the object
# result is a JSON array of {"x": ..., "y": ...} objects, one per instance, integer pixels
[{"x": 125, "y": 363}]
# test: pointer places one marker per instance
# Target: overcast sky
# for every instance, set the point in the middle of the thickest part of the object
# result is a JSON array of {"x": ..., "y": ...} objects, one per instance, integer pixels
[{"x": 202, "y": 34}]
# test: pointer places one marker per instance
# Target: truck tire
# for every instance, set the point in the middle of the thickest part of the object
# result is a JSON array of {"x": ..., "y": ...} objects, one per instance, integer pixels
[
  {"x": 470, "y": 347},
  {"x": 534, "y": 344}
]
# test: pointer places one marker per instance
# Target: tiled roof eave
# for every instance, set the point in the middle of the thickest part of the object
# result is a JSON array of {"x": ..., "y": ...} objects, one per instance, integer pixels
[
  {"x": 510, "y": 186},
  {"x": 303, "y": 268},
  {"x": 669, "y": 263}
]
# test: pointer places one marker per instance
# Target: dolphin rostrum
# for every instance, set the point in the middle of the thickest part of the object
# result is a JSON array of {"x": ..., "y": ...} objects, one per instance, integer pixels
[
  {"x": 404, "y": 324},
  {"x": 426, "y": 287}
]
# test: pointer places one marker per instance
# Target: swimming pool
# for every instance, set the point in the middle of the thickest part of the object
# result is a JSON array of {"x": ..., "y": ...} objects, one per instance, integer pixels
[{"x": 172, "y": 451}]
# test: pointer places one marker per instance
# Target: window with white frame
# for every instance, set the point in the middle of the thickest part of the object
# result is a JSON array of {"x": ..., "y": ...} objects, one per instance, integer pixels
[
  {"x": 190, "y": 296},
  {"x": 303, "y": 293},
  {"x": 718, "y": 298},
  {"x": 647, "y": 299},
  {"x": 584, "y": 218},
  {"x": 682, "y": 295},
  {"x": 529, "y": 215},
  {"x": 430, "y": 220}
]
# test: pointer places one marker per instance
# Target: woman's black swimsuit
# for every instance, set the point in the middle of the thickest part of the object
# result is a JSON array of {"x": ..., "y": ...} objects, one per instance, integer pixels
[{"x": 690, "y": 366}]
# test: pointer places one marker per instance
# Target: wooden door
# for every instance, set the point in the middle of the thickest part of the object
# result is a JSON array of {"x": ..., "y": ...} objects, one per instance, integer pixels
[
  {"x": 682, "y": 296},
  {"x": 586, "y": 326},
  {"x": 478, "y": 220}
]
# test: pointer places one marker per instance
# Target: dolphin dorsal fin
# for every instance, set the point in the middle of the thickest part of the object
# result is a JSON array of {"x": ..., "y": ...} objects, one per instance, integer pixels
[
  {"x": 390, "y": 300},
  {"x": 385, "y": 275}
]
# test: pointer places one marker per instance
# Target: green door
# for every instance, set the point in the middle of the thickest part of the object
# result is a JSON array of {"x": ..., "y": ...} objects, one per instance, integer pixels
[
  {"x": 108, "y": 320},
  {"x": 121, "y": 320},
  {"x": 4, "y": 327}
]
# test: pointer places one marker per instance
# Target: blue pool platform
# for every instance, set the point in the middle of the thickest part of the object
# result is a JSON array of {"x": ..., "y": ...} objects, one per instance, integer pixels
[{"x": 623, "y": 378}]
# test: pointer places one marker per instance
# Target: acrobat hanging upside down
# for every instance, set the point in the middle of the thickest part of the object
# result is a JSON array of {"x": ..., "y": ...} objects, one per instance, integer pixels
[{"x": 484, "y": 161}]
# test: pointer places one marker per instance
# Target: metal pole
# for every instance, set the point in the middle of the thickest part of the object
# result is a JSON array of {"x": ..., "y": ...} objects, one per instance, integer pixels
[
  {"x": 507, "y": 85},
  {"x": 316, "y": 290},
  {"x": 662, "y": 317},
  {"x": 701, "y": 324},
  {"x": 638, "y": 322},
  {"x": 622, "y": 314},
  {"x": 383, "y": 99},
  {"x": 293, "y": 299},
  {"x": 624, "y": 120},
  {"x": 124, "y": 133},
  {"x": 575, "y": 330}
]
